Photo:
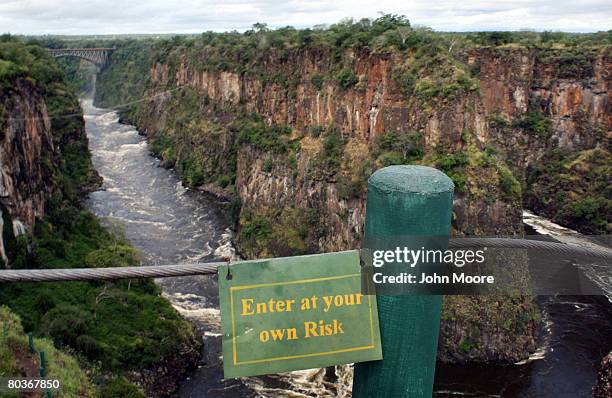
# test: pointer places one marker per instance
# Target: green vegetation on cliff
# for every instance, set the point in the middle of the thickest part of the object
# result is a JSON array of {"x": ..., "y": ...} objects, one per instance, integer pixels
[
  {"x": 119, "y": 325},
  {"x": 295, "y": 233},
  {"x": 16, "y": 359},
  {"x": 124, "y": 83},
  {"x": 79, "y": 74},
  {"x": 573, "y": 188},
  {"x": 116, "y": 329},
  {"x": 289, "y": 121},
  {"x": 429, "y": 70}
]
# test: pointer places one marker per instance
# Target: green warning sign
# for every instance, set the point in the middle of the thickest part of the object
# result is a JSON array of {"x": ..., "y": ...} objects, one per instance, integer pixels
[{"x": 296, "y": 313}]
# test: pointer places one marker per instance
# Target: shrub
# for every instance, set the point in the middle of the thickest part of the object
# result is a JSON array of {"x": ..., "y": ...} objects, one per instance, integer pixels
[
  {"x": 390, "y": 159},
  {"x": 574, "y": 65},
  {"x": 256, "y": 228},
  {"x": 459, "y": 181},
  {"x": 234, "y": 208},
  {"x": 447, "y": 162},
  {"x": 116, "y": 255},
  {"x": 268, "y": 165},
  {"x": 494, "y": 38},
  {"x": 292, "y": 161},
  {"x": 405, "y": 80},
  {"x": 65, "y": 323},
  {"x": 258, "y": 134},
  {"x": 224, "y": 180},
  {"x": 508, "y": 183},
  {"x": 573, "y": 189},
  {"x": 498, "y": 121},
  {"x": 315, "y": 131},
  {"x": 350, "y": 189},
  {"x": 589, "y": 212},
  {"x": 192, "y": 171},
  {"x": 568, "y": 64},
  {"x": 398, "y": 148},
  {"x": 536, "y": 123},
  {"x": 119, "y": 387},
  {"x": 475, "y": 68},
  {"x": 88, "y": 346},
  {"x": 346, "y": 78},
  {"x": 356, "y": 186},
  {"x": 317, "y": 81},
  {"x": 333, "y": 145}
]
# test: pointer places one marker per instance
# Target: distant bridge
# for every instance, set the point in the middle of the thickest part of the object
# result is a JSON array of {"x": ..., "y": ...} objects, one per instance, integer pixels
[{"x": 99, "y": 56}]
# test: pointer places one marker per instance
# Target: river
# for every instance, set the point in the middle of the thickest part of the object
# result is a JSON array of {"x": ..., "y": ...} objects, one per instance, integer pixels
[
  {"x": 576, "y": 335},
  {"x": 170, "y": 224}
]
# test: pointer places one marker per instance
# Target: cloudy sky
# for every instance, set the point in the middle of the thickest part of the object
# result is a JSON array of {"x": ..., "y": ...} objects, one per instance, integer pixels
[{"x": 192, "y": 16}]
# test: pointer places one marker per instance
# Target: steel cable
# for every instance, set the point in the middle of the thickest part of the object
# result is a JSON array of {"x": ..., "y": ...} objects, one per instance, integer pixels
[
  {"x": 162, "y": 271},
  {"x": 599, "y": 252},
  {"x": 110, "y": 273}
]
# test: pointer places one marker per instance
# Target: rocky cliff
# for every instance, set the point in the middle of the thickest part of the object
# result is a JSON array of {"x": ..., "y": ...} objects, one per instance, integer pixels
[
  {"x": 529, "y": 103},
  {"x": 549, "y": 115},
  {"x": 43, "y": 154},
  {"x": 45, "y": 170},
  {"x": 372, "y": 108},
  {"x": 25, "y": 181},
  {"x": 603, "y": 387},
  {"x": 292, "y": 124}
]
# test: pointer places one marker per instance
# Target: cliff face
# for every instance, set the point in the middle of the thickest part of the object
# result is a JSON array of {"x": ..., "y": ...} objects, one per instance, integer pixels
[
  {"x": 571, "y": 101},
  {"x": 551, "y": 118},
  {"x": 570, "y": 88},
  {"x": 373, "y": 107},
  {"x": 294, "y": 134},
  {"x": 45, "y": 169},
  {"x": 44, "y": 155},
  {"x": 574, "y": 95},
  {"x": 25, "y": 180}
]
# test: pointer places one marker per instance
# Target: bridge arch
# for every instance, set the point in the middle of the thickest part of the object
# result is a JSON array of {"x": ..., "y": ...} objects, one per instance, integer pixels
[{"x": 99, "y": 56}]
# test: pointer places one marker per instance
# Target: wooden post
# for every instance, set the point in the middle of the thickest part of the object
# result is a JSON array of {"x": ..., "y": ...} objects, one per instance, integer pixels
[{"x": 402, "y": 201}]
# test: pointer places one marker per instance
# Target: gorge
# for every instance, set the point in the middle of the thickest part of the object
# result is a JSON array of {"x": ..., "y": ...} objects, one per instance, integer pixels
[
  {"x": 288, "y": 124},
  {"x": 116, "y": 335},
  {"x": 285, "y": 126},
  {"x": 291, "y": 133}
]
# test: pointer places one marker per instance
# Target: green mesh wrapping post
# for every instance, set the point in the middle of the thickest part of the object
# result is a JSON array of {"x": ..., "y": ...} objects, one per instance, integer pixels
[
  {"x": 43, "y": 367},
  {"x": 405, "y": 200},
  {"x": 31, "y": 343}
]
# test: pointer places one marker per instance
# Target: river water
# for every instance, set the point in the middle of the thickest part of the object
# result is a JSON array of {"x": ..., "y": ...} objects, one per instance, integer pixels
[
  {"x": 576, "y": 335},
  {"x": 170, "y": 224}
]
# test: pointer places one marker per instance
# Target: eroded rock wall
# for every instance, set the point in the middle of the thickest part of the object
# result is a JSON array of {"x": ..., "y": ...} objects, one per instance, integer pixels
[
  {"x": 26, "y": 154},
  {"x": 486, "y": 121}
]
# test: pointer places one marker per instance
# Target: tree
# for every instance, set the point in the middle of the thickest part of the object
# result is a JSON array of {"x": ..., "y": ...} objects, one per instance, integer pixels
[
  {"x": 494, "y": 38},
  {"x": 389, "y": 21},
  {"x": 260, "y": 27},
  {"x": 403, "y": 32}
]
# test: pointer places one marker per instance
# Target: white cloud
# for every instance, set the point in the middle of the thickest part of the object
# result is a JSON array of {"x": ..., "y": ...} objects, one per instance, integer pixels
[{"x": 191, "y": 16}]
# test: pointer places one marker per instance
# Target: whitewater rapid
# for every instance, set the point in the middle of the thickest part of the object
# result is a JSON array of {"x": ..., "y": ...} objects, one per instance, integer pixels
[{"x": 170, "y": 223}]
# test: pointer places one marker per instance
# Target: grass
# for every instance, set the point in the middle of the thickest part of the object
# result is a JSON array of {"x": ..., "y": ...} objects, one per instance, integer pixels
[
  {"x": 121, "y": 325},
  {"x": 59, "y": 365}
]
